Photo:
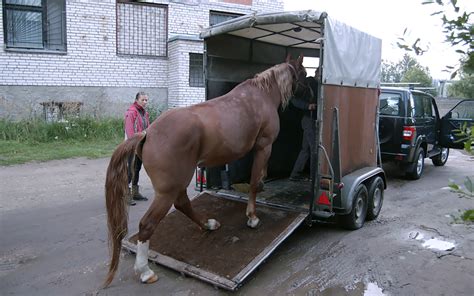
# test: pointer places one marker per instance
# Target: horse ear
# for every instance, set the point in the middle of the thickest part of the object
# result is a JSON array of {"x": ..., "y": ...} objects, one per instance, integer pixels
[
  {"x": 288, "y": 58},
  {"x": 300, "y": 59}
]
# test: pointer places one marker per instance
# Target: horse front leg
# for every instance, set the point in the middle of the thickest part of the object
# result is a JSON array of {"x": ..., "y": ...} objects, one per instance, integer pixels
[
  {"x": 157, "y": 211},
  {"x": 183, "y": 205},
  {"x": 256, "y": 182}
]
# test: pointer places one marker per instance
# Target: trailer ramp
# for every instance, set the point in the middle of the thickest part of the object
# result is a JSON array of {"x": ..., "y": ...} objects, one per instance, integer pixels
[{"x": 227, "y": 256}]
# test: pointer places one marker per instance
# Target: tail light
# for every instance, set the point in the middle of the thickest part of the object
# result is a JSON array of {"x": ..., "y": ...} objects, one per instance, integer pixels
[
  {"x": 408, "y": 132},
  {"x": 200, "y": 180},
  {"x": 324, "y": 199}
]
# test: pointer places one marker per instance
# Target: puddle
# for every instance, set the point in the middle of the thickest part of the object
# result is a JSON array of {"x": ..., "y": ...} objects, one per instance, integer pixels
[
  {"x": 439, "y": 245},
  {"x": 357, "y": 288},
  {"x": 373, "y": 289},
  {"x": 432, "y": 243}
]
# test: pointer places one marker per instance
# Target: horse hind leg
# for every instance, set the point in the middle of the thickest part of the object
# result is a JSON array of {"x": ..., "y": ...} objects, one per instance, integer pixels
[
  {"x": 259, "y": 166},
  {"x": 183, "y": 205},
  {"x": 157, "y": 211}
]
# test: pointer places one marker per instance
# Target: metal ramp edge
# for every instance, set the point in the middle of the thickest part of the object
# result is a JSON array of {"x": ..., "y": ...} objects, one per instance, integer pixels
[{"x": 214, "y": 279}]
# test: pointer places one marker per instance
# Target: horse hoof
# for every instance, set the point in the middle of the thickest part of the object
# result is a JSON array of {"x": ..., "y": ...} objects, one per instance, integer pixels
[
  {"x": 212, "y": 224},
  {"x": 260, "y": 186},
  {"x": 253, "y": 223},
  {"x": 151, "y": 280}
]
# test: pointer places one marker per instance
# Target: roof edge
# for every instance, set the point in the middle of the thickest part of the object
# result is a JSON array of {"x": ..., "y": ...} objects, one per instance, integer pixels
[{"x": 251, "y": 20}]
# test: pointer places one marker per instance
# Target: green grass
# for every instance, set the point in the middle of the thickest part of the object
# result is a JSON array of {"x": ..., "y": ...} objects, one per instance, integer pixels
[
  {"x": 14, "y": 152},
  {"x": 468, "y": 216},
  {"x": 35, "y": 140}
]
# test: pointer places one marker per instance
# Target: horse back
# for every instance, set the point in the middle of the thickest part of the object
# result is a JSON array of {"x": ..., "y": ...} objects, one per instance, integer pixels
[{"x": 217, "y": 131}]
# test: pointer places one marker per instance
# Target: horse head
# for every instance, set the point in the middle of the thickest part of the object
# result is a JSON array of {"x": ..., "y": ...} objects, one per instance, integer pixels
[{"x": 298, "y": 72}]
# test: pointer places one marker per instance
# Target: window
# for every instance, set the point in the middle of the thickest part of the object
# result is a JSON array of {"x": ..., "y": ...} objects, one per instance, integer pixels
[
  {"x": 196, "y": 73},
  {"x": 428, "y": 106},
  {"x": 464, "y": 110},
  {"x": 390, "y": 104},
  {"x": 141, "y": 29},
  {"x": 216, "y": 17},
  {"x": 418, "y": 109},
  {"x": 35, "y": 24}
]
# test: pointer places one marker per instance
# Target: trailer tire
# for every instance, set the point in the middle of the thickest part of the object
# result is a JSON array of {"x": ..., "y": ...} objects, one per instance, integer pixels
[
  {"x": 356, "y": 218},
  {"x": 375, "y": 202}
]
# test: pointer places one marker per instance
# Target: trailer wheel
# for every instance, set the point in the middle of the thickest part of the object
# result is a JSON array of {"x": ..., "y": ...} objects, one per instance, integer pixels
[
  {"x": 375, "y": 198},
  {"x": 356, "y": 218}
]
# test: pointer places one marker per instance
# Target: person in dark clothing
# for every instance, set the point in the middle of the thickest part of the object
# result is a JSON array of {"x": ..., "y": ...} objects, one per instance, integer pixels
[
  {"x": 307, "y": 103},
  {"x": 137, "y": 120}
]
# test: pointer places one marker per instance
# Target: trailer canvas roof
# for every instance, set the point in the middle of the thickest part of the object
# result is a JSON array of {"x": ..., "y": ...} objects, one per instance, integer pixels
[
  {"x": 294, "y": 29},
  {"x": 351, "y": 57}
]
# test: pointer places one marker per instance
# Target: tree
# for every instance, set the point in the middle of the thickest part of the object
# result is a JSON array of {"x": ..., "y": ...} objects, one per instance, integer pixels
[
  {"x": 406, "y": 70},
  {"x": 419, "y": 75},
  {"x": 458, "y": 31},
  {"x": 464, "y": 88},
  {"x": 390, "y": 72}
]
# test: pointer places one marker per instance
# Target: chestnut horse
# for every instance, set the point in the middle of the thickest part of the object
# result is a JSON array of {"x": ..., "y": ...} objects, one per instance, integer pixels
[{"x": 208, "y": 134}]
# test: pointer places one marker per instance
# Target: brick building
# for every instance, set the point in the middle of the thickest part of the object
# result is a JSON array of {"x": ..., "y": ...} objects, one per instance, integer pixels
[{"x": 99, "y": 53}]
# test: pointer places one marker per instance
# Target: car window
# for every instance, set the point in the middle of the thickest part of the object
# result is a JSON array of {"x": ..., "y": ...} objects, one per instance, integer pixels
[
  {"x": 418, "y": 110},
  {"x": 390, "y": 103},
  {"x": 427, "y": 106},
  {"x": 465, "y": 110}
]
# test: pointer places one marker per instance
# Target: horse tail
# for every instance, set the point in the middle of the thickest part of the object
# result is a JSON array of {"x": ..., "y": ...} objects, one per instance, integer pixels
[{"x": 116, "y": 186}]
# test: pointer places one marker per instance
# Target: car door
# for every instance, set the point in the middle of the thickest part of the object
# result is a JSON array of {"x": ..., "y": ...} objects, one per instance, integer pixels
[
  {"x": 430, "y": 115},
  {"x": 418, "y": 116},
  {"x": 391, "y": 121},
  {"x": 461, "y": 115}
]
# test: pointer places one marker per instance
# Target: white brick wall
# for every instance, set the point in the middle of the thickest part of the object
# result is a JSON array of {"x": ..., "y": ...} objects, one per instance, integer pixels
[
  {"x": 91, "y": 58},
  {"x": 182, "y": 94}
]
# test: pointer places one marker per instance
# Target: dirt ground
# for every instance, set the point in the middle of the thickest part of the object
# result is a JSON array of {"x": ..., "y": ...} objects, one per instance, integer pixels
[{"x": 54, "y": 240}]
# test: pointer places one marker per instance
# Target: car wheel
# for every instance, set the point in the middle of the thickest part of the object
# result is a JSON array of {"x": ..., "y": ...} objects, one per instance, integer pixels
[
  {"x": 356, "y": 218},
  {"x": 442, "y": 158},
  {"x": 415, "y": 169},
  {"x": 375, "y": 202}
]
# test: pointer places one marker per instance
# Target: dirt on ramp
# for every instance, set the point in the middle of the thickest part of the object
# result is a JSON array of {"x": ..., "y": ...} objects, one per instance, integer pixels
[{"x": 229, "y": 249}]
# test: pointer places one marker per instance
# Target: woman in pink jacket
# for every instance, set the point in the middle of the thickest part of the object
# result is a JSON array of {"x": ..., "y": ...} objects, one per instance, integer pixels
[{"x": 137, "y": 120}]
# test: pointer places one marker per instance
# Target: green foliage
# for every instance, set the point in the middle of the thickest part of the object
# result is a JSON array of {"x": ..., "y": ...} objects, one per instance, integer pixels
[
  {"x": 396, "y": 72},
  {"x": 458, "y": 29},
  {"x": 80, "y": 129},
  {"x": 418, "y": 75},
  {"x": 464, "y": 88},
  {"x": 407, "y": 70},
  {"x": 154, "y": 111},
  {"x": 468, "y": 216},
  {"x": 466, "y": 134},
  {"x": 466, "y": 191},
  {"x": 14, "y": 152}
]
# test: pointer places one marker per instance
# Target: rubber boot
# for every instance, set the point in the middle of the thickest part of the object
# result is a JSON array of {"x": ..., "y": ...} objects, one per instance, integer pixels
[
  {"x": 136, "y": 193},
  {"x": 130, "y": 200}
]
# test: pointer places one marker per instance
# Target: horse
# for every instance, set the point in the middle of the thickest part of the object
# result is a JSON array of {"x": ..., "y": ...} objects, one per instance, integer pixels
[{"x": 207, "y": 134}]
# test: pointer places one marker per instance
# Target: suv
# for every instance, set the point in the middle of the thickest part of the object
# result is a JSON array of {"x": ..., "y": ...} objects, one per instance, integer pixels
[{"x": 410, "y": 129}]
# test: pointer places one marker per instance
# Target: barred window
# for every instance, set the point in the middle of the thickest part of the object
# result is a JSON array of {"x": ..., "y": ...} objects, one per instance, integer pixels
[
  {"x": 141, "y": 29},
  {"x": 196, "y": 73},
  {"x": 35, "y": 24},
  {"x": 216, "y": 17}
]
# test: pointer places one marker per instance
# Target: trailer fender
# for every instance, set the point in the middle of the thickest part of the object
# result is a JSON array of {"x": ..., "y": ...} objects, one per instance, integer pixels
[{"x": 352, "y": 180}]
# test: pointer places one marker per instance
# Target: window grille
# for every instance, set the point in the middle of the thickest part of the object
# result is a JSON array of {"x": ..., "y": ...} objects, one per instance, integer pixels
[
  {"x": 35, "y": 24},
  {"x": 141, "y": 29},
  {"x": 216, "y": 17},
  {"x": 196, "y": 73}
]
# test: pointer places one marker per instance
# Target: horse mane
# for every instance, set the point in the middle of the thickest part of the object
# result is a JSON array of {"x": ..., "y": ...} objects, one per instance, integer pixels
[{"x": 278, "y": 75}]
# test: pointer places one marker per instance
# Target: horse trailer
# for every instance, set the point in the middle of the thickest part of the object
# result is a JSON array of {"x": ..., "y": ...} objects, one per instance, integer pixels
[{"x": 345, "y": 179}]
